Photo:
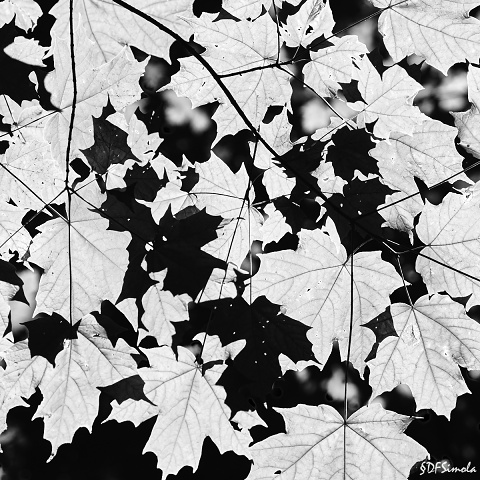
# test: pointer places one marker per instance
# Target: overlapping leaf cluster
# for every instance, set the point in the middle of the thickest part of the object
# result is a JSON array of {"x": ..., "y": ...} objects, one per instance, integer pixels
[{"x": 168, "y": 241}]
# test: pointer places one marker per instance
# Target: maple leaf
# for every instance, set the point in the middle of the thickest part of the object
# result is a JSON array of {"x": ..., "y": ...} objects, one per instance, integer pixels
[
  {"x": 27, "y": 120},
  {"x": 311, "y": 283},
  {"x": 333, "y": 65},
  {"x": 12, "y": 234},
  {"x": 110, "y": 146},
  {"x": 434, "y": 338},
  {"x": 170, "y": 197},
  {"x": 71, "y": 286},
  {"x": 440, "y": 32},
  {"x": 7, "y": 292},
  {"x": 267, "y": 332},
  {"x": 26, "y": 50},
  {"x": 70, "y": 393},
  {"x": 428, "y": 154},
  {"x": 20, "y": 377},
  {"x": 387, "y": 99},
  {"x": 468, "y": 122},
  {"x": 450, "y": 232},
  {"x": 116, "y": 80},
  {"x": 30, "y": 175},
  {"x": 277, "y": 134},
  {"x": 219, "y": 285},
  {"x": 314, "y": 18},
  {"x": 329, "y": 65},
  {"x": 360, "y": 197},
  {"x": 232, "y": 47},
  {"x": 142, "y": 144},
  {"x": 319, "y": 443},
  {"x": 245, "y": 9},
  {"x": 177, "y": 246},
  {"x": 328, "y": 182},
  {"x": 227, "y": 194},
  {"x": 189, "y": 404},
  {"x": 112, "y": 26},
  {"x": 275, "y": 226},
  {"x": 26, "y": 13},
  {"x": 161, "y": 308}
]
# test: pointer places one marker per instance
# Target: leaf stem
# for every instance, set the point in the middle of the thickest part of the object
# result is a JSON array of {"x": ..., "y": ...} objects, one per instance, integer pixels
[
  {"x": 350, "y": 329},
  {"x": 67, "y": 159}
]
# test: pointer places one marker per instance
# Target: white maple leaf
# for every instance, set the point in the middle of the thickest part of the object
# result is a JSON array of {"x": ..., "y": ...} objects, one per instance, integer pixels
[
  {"x": 428, "y": 154},
  {"x": 111, "y": 26},
  {"x": 244, "y": 9},
  {"x": 20, "y": 116},
  {"x": 219, "y": 190},
  {"x": 468, "y": 123},
  {"x": 26, "y": 50},
  {"x": 161, "y": 308},
  {"x": 70, "y": 389},
  {"x": 20, "y": 377},
  {"x": 288, "y": 364},
  {"x": 114, "y": 177},
  {"x": 276, "y": 133},
  {"x": 222, "y": 192},
  {"x": 320, "y": 444},
  {"x": 450, "y": 231},
  {"x": 7, "y": 292},
  {"x": 387, "y": 99},
  {"x": 232, "y": 47},
  {"x": 333, "y": 64},
  {"x": 26, "y": 13},
  {"x": 313, "y": 19},
  {"x": 219, "y": 285},
  {"x": 312, "y": 282},
  {"x": 235, "y": 238},
  {"x": 171, "y": 196},
  {"x": 142, "y": 144},
  {"x": 189, "y": 404},
  {"x": 13, "y": 236},
  {"x": 30, "y": 176},
  {"x": 28, "y": 121},
  {"x": 129, "y": 308},
  {"x": 84, "y": 262},
  {"x": 325, "y": 133},
  {"x": 435, "y": 337},
  {"x": 116, "y": 81},
  {"x": 440, "y": 32},
  {"x": 9, "y": 109},
  {"x": 328, "y": 182},
  {"x": 277, "y": 182},
  {"x": 275, "y": 226}
]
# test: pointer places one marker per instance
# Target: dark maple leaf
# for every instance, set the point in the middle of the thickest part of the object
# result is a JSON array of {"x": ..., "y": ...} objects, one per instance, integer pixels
[
  {"x": 382, "y": 326},
  {"x": 47, "y": 333},
  {"x": 177, "y": 246},
  {"x": 110, "y": 146},
  {"x": 268, "y": 333}
]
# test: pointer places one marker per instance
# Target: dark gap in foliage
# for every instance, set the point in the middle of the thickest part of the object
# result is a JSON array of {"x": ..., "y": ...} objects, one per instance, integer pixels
[
  {"x": 206, "y": 6},
  {"x": 227, "y": 465},
  {"x": 16, "y": 84}
]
